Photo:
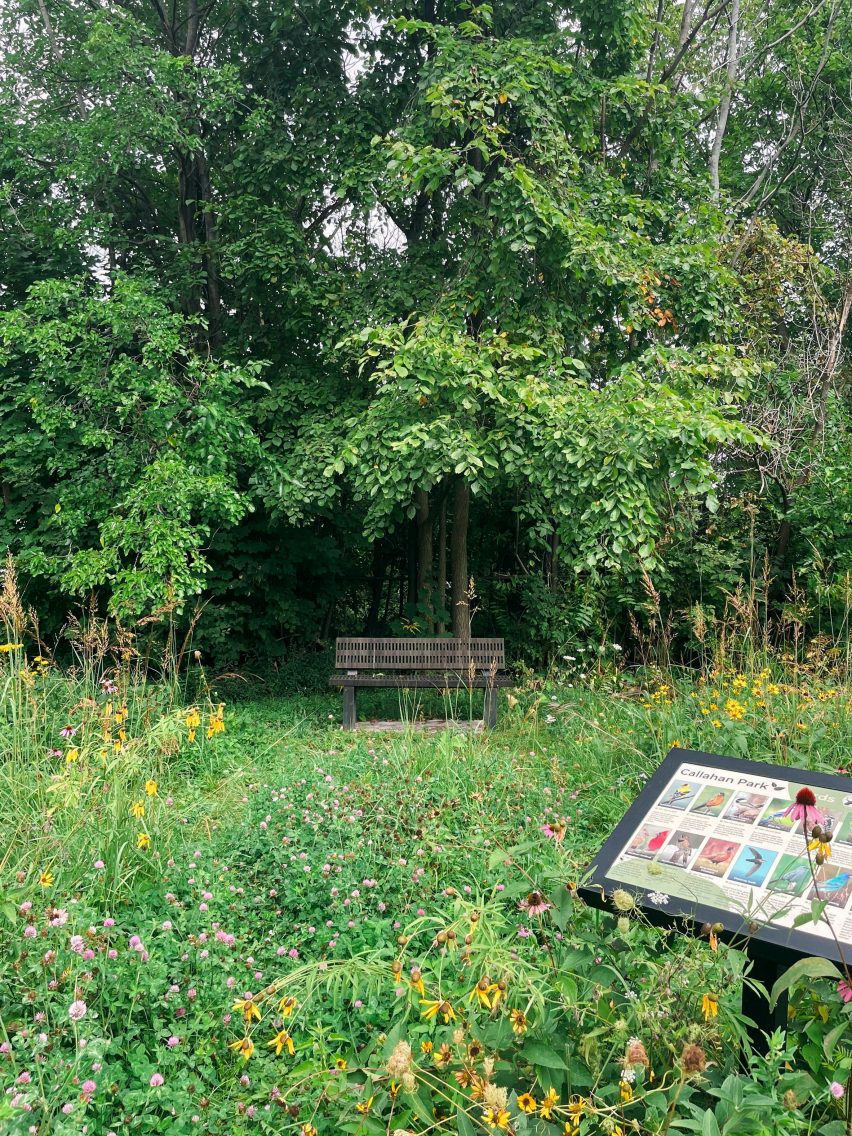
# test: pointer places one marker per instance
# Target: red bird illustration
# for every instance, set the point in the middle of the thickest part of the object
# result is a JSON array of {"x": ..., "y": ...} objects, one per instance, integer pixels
[
  {"x": 713, "y": 803},
  {"x": 656, "y": 842}
]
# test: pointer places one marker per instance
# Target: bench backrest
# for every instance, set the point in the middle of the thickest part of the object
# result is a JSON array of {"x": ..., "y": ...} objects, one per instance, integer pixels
[{"x": 419, "y": 654}]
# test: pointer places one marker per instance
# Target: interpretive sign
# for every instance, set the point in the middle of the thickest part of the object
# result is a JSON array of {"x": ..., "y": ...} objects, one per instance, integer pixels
[{"x": 717, "y": 840}]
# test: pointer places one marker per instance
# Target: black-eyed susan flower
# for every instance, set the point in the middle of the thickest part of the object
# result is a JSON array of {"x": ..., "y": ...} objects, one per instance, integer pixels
[
  {"x": 248, "y": 1008},
  {"x": 281, "y": 1041},
  {"x": 520, "y": 1023},
  {"x": 497, "y": 1118},
  {"x": 393, "y": 1090},
  {"x": 709, "y": 1006},
  {"x": 426, "y": 1047},
  {"x": 244, "y": 1046},
  {"x": 527, "y": 1103},
  {"x": 625, "y": 1090},
  {"x": 443, "y": 1057},
  {"x": 46, "y": 879},
  {"x": 364, "y": 1106},
  {"x": 341, "y": 1064},
  {"x": 416, "y": 981},
  {"x": 143, "y": 841}
]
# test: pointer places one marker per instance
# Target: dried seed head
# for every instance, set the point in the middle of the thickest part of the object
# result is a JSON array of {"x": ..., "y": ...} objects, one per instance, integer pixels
[
  {"x": 400, "y": 1061},
  {"x": 636, "y": 1054},
  {"x": 496, "y": 1096},
  {"x": 693, "y": 1059}
]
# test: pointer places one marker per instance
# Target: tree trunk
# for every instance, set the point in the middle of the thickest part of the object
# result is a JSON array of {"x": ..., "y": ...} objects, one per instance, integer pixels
[
  {"x": 441, "y": 591},
  {"x": 732, "y": 63},
  {"x": 424, "y": 559},
  {"x": 377, "y": 584},
  {"x": 458, "y": 552}
]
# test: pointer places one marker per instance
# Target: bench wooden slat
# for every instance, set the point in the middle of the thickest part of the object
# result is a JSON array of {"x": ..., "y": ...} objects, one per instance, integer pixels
[
  {"x": 424, "y": 682},
  {"x": 362, "y": 653}
]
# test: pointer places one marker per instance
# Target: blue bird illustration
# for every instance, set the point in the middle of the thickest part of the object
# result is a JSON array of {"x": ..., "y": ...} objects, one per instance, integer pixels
[
  {"x": 791, "y": 878},
  {"x": 837, "y": 883}
]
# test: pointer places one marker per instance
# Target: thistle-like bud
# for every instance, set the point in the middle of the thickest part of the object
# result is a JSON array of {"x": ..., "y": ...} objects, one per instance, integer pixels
[{"x": 622, "y": 900}]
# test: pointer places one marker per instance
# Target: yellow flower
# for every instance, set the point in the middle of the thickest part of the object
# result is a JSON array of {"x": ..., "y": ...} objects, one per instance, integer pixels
[
  {"x": 496, "y": 1118},
  {"x": 364, "y": 1106},
  {"x": 341, "y": 1063},
  {"x": 527, "y": 1103},
  {"x": 193, "y": 719},
  {"x": 282, "y": 1040},
  {"x": 217, "y": 726},
  {"x": 821, "y": 847},
  {"x": 710, "y": 1006},
  {"x": 143, "y": 841},
  {"x": 72, "y": 755},
  {"x": 5, "y": 648},
  {"x": 244, "y": 1046},
  {"x": 308, "y": 1130},
  {"x": 481, "y": 992},
  {"x": 434, "y": 1008},
  {"x": 137, "y": 809},
  {"x": 190, "y": 735},
  {"x": 497, "y": 990},
  {"x": 576, "y": 1107},
  {"x": 443, "y": 1058},
  {"x": 426, "y": 1047},
  {"x": 545, "y": 1109},
  {"x": 519, "y": 1021},
  {"x": 287, "y": 1005},
  {"x": 248, "y": 1008},
  {"x": 626, "y": 1090},
  {"x": 716, "y": 724},
  {"x": 416, "y": 981},
  {"x": 151, "y": 788},
  {"x": 46, "y": 879}
]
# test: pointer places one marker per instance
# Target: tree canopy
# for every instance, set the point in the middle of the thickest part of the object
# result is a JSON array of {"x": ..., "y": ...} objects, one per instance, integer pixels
[{"x": 312, "y": 312}]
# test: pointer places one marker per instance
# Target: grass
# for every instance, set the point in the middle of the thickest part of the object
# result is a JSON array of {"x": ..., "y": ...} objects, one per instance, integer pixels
[{"x": 286, "y": 855}]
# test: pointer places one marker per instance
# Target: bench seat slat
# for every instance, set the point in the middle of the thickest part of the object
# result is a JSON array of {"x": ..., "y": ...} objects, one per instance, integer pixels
[{"x": 431, "y": 682}]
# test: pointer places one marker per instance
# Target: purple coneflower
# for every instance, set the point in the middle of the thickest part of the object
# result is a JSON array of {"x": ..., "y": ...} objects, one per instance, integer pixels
[{"x": 804, "y": 808}]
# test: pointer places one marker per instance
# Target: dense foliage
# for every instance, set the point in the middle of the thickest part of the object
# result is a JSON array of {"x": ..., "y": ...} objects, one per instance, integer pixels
[{"x": 312, "y": 312}]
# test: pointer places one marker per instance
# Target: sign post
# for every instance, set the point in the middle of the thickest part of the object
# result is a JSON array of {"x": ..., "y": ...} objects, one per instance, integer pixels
[{"x": 719, "y": 841}]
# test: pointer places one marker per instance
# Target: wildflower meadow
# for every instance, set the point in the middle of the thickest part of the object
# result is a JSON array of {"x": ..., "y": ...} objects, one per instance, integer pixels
[{"x": 231, "y": 917}]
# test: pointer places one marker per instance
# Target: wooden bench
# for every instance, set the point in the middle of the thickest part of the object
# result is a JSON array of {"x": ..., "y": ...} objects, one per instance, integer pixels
[{"x": 434, "y": 664}]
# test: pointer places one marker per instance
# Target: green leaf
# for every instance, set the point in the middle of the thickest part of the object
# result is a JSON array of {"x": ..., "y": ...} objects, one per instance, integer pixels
[
  {"x": 799, "y": 971},
  {"x": 537, "y": 1053}
]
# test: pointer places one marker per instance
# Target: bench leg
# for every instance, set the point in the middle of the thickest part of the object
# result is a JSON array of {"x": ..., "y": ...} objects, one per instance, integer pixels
[
  {"x": 349, "y": 712},
  {"x": 489, "y": 707}
]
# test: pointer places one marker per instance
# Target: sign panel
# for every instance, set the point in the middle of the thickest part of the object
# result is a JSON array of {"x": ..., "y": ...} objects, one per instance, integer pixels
[{"x": 718, "y": 840}]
